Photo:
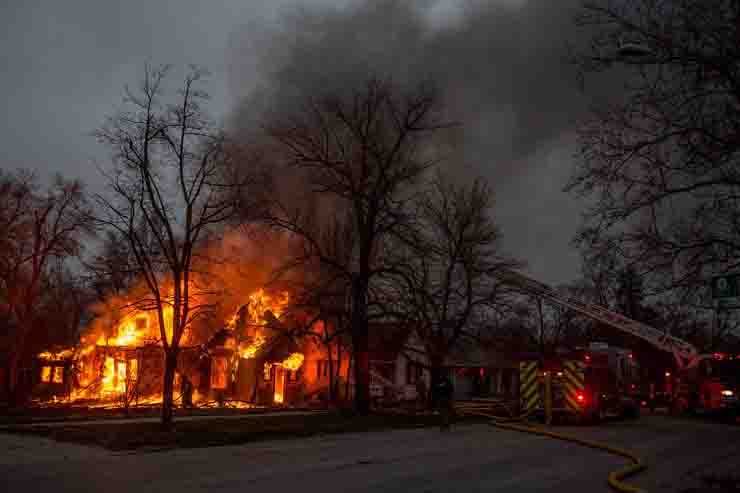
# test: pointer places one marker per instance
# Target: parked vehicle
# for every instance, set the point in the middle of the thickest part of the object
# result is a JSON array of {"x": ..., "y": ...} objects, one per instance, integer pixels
[
  {"x": 589, "y": 384},
  {"x": 690, "y": 381}
]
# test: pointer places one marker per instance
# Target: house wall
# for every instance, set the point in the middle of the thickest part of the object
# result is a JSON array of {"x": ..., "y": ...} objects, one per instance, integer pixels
[
  {"x": 312, "y": 381},
  {"x": 53, "y": 386},
  {"x": 412, "y": 353},
  {"x": 408, "y": 389}
]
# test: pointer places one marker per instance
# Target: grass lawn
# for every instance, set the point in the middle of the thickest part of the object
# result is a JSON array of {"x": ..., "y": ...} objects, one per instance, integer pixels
[{"x": 215, "y": 432}]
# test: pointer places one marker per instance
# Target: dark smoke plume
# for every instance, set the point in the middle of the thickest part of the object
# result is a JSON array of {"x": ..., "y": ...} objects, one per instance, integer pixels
[{"x": 501, "y": 67}]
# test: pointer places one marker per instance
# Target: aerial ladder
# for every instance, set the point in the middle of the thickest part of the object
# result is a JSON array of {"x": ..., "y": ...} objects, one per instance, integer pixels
[
  {"x": 704, "y": 388},
  {"x": 684, "y": 353}
]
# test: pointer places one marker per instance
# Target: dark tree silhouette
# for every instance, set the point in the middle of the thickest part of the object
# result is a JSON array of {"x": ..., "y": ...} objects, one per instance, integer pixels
[
  {"x": 167, "y": 198},
  {"x": 361, "y": 150},
  {"x": 660, "y": 160},
  {"x": 38, "y": 229}
]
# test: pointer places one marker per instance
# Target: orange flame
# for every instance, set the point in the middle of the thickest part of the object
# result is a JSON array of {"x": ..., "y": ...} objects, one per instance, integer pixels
[
  {"x": 102, "y": 367},
  {"x": 293, "y": 362},
  {"x": 251, "y": 350}
]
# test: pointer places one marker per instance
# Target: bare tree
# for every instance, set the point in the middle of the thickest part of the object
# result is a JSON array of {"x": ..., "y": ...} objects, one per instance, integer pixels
[
  {"x": 166, "y": 199},
  {"x": 37, "y": 228},
  {"x": 661, "y": 159},
  {"x": 449, "y": 273},
  {"x": 363, "y": 153},
  {"x": 112, "y": 271},
  {"x": 535, "y": 326}
]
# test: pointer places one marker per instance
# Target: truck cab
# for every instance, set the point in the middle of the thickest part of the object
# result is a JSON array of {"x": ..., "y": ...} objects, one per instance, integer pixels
[{"x": 715, "y": 384}]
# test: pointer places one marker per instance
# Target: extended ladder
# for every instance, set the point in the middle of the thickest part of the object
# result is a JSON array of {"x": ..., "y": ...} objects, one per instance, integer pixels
[{"x": 686, "y": 354}]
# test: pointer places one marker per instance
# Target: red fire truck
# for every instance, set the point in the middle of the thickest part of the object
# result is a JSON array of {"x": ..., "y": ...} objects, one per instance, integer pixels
[
  {"x": 588, "y": 384},
  {"x": 711, "y": 387},
  {"x": 687, "y": 381}
]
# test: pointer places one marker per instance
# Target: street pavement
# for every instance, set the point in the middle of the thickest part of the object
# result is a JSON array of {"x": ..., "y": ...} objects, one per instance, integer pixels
[{"x": 470, "y": 458}]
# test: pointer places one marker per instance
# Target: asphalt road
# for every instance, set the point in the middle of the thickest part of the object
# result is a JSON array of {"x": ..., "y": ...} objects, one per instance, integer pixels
[{"x": 470, "y": 458}]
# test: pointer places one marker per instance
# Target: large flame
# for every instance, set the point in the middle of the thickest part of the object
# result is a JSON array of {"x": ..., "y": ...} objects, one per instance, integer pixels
[
  {"x": 141, "y": 327},
  {"x": 250, "y": 351},
  {"x": 293, "y": 362},
  {"x": 105, "y": 365},
  {"x": 260, "y": 302}
]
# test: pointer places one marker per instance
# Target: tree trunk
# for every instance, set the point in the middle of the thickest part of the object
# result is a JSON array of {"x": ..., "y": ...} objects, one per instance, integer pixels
[
  {"x": 170, "y": 366},
  {"x": 330, "y": 396},
  {"x": 360, "y": 344},
  {"x": 12, "y": 378},
  {"x": 436, "y": 372},
  {"x": 362, "y": 374},
  {"x": 349, "y": 372},
  {"x": 339, "y": 369},
  {"x": 14, "y": 391}
]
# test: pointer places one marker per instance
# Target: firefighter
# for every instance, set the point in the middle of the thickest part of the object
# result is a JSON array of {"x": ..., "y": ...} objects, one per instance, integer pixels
[
  {"x": 443, "y": 397},
  {"x": 421, "y": 392},
  {"x": 186, "y": 389}
]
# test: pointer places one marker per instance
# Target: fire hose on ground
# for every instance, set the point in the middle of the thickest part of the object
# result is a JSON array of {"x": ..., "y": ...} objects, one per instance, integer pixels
[{"x": 615, "y": 477}]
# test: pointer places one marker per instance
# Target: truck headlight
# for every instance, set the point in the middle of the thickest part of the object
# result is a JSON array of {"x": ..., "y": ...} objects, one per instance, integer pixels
[{"x": 727, "y": 393}]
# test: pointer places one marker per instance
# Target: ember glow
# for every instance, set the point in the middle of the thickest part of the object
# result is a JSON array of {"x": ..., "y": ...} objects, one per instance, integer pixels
[
  {"x": 279, "y": 395},
  {"x": 293, "y": 362},
  {"x": 250, "y": 351},
  {"x": 58, "y": 356}
]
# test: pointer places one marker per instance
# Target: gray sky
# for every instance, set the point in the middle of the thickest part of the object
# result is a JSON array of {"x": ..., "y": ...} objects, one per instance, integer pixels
[{"x": 65, "y": 64}]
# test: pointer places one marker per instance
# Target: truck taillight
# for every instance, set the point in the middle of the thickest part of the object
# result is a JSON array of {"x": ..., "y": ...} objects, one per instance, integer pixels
[
  {"x": 727, "y": 393},
  {"x": 580, "y": 397},
  {"x": 668, "y": 374}
]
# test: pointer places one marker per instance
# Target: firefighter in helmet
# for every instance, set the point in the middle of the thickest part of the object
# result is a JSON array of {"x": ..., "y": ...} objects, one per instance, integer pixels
[{"x": 443, "y": 398}]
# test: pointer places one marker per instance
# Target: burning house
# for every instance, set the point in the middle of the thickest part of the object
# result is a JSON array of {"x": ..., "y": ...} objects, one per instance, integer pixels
[{"x": 250, "y": 360}]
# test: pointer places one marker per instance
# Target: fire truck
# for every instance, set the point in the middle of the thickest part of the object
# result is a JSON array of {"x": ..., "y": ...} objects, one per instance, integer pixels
[
  {"x": 689, "y": 381},
  {"x": 711, "y": 387},
  {"x": 590, "y": 384}
]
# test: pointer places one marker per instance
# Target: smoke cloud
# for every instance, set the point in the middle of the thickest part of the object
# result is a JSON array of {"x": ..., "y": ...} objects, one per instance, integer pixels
[{"x": 501, "y": 67}]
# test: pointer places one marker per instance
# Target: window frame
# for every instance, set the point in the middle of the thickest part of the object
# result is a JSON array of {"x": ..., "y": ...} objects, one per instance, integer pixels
[{"x": 47, "y": 372}]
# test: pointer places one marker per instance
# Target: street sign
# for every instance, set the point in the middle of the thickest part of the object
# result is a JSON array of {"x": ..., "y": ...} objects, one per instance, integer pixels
[
  {"x": 726, "y": 291},
  {"x": 725, "y": 286}
]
